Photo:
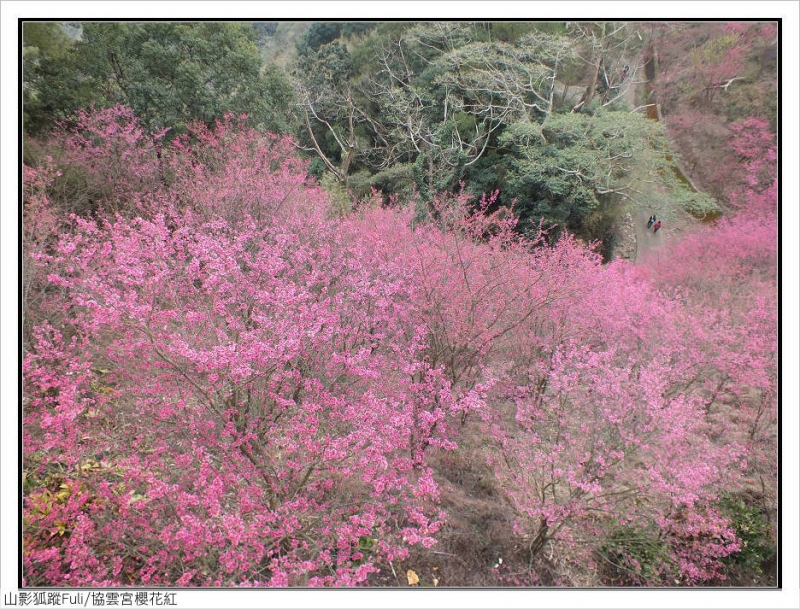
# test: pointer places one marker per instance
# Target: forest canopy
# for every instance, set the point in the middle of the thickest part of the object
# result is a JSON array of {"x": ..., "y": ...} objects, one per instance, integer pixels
[{"x": 432, "y": 107}]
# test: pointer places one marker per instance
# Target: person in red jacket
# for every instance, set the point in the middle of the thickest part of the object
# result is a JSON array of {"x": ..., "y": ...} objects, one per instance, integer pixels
[{"x": 656, "y": 226}]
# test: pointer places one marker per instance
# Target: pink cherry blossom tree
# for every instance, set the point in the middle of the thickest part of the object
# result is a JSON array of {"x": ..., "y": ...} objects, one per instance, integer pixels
[
  {"x": 609, "y": 433},
  {"x": 263, "y": 406},
  {"x": 226, "y": 384}
]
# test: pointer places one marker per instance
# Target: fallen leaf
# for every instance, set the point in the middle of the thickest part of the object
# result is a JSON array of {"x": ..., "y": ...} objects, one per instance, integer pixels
[{"x": 413, "y": 580}]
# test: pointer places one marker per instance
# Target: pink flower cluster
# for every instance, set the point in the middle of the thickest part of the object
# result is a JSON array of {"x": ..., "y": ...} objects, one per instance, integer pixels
[{"x": 226, "y": 386}]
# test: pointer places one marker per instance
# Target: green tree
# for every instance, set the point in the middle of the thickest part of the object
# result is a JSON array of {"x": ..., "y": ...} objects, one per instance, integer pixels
[
  {"x": 416, "y": 118},
  {"x": 357, "y": 28},
  {"x": 46, "y": 83},
  {"x": 608, "y": 51},
  {"x": 576, "y": 166},
  {"x": 173, "y": 73},
  {"x": 326, "y": 107},
  {"x": 510, "y": 31},
  {"x": 318, "y": 34},
  {"x": 505, "y": 82}
]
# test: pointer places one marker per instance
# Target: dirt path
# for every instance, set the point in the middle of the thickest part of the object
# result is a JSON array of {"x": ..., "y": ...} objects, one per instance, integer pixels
[
  {"x": 637, "y": 241},
  {"x": 646, "y": 240},
  {"x": 675, "y": 220}
]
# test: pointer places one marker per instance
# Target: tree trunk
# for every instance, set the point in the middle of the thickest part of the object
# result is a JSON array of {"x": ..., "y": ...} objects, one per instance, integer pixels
[
  {"x": 590, "y": 90},
  {"x": 351, "y": 143},
  {"x": 539, "y": 540}
]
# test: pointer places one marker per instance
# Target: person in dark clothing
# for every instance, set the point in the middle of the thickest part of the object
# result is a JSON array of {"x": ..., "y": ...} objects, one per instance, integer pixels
[
  {"x": 651, "y": 221},
  {"x": 656, "y": 227}
]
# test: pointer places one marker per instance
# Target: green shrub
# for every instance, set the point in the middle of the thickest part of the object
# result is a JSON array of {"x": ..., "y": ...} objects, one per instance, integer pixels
[
  {"x": 752, "y": 528},
  {"x": 633, "y": 556},
  {"x": 699, "y": 204},
  {"x": 340, "y": 199}
]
